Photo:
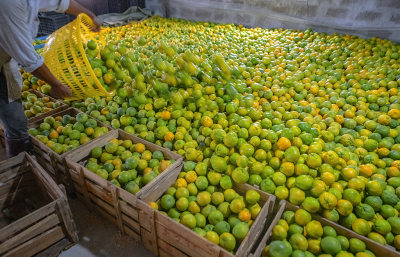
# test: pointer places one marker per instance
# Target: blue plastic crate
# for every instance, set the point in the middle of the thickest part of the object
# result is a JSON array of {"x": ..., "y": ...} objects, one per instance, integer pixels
[{"x": 41, "y": 45}]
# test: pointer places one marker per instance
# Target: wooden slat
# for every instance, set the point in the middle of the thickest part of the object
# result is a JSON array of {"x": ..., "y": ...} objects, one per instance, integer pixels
[
  {"x": 165, "y": 248},
  {"x": 11, "y": 173},
  {"x": 115, "y": 202},
  {"x": 149, "y": 188},
  {"x": 129, "y": 210},
  {"x": 83, "y": 151},
  {"x": 37, "y": 244},
  {"x": 181, "y": 237},
  {"x": 26, "y": 221},
  {"x": 99, "y": 192},
  {"x": 149, "y": 240},
  {"x": 12, "y": 162},
  {"x": 103, "y": 205},
  {"x": 162, "y": 186},
  {"x": 96, "y": 179},
  {"x": 128, "y": 197},
  {"x": 132, "y": 234},
  {"x": 146, "y": 216},
  {"x": 29, "y": 233},
  {"x": 65, "y": 215},
  {"x": 102, "y": 212},
  {"x": 75, "y": 177},
  {"x": 55, "y": 249},
  {"x": 267, "y": 201},
  {"x": 163, "y": 253},
  {"x": 268, "y": 233},
  {"x": 132, "y": 223}
]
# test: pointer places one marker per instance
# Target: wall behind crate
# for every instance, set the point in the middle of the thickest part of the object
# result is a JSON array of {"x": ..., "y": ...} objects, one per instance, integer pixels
[
  {"x": 366, "y": 18},
  {"x": 109, "y": 6}
]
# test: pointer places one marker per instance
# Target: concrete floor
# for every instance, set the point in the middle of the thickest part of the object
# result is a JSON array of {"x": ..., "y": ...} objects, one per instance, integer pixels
[{"x": 98, "y": 237}]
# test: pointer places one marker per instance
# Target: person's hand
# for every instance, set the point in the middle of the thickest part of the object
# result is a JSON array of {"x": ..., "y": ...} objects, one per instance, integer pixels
[
  {"x": 97, "y": 24},
  {"x": 60, "y": 91}
]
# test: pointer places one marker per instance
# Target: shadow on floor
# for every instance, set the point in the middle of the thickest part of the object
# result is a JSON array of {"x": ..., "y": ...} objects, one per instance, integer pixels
[{"x": 98, "y": 237}]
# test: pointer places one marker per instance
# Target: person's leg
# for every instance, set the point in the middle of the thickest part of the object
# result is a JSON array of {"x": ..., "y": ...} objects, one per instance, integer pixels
[{"x": 14, "y": 121}]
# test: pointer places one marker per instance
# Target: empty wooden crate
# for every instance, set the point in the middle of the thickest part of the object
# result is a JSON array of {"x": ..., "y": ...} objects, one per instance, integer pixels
[{"x": 35, "y": 216}]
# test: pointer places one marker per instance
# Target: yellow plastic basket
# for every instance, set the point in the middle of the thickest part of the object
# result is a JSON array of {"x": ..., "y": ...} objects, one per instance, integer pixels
[{"x": 65, "y": 56}]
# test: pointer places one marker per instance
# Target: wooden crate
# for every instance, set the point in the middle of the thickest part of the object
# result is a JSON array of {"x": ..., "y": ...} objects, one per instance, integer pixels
[
  {"x": 63, "y": 106},
  {"x": 378, "y": 249},
  {"x": 116, "y": 204},
  {"x": 51, "y": 161},
  {"x": 166, "y": 237},
  {"x": 35, "y": 217}
]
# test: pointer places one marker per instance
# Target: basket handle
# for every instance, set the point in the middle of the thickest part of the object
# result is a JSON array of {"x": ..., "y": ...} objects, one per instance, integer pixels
[{"x": 85, "y": 19}]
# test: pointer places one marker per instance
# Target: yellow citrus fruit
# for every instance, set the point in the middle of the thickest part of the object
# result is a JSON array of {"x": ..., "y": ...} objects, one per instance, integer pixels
[
  {"x": 180, "y": 182},
  {"x": 279, "y": 233},
  {"x": 327, "y": 200},
  {"x": 344, "y": 207},
  {"x": 140, "y": 148},
  {"x": 212, "y": 236},
  {"x": 314, "y": 229},
  {"x": 203, "y": 198},
  {"x": 237, "y": 205},
  {"x": 190, "y": 176},
  {"x": 302, "y": 217},
  {"x": 361, "y": 227}
]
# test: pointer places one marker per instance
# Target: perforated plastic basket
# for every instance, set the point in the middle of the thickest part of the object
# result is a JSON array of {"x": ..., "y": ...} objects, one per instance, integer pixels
[{"x": 65, "y": 56}]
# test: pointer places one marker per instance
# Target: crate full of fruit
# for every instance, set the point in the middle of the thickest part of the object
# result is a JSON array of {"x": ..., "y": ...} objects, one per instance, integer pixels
[
  {"x": 110, "y": 173},
  {"x": 60, "y": 134},
  {"x": 200, "y": 212},
  {"x": 297, "y": 232}
]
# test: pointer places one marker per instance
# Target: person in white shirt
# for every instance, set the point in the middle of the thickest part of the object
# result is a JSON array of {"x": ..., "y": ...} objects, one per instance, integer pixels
[{"x": 19, "y": 26}]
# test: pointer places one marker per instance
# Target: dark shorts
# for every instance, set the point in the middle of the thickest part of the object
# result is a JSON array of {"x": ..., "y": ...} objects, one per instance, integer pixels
[{"x": 12, "y": 115}]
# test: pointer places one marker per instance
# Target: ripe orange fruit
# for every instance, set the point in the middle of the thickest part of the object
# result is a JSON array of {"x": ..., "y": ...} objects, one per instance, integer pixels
[
  {"x": 53, "y": 134},
  {"x": 140, "y": 148},
  {"x": 365, "y": 170},
  {"x": 283, "y": 143},
  {"x": 165, "y": 115},
  {"x": 244, "y": 215}
]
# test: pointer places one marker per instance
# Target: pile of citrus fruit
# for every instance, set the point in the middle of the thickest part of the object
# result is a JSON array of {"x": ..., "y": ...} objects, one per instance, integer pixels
[
  {"x": 65, "y": 133},
  {"x": 296, "y": 234},
  {"x": 206, "y": 202},
  {"x": 32, "y": 82},
  {"x": 126, "y": 164},
  {"x": 309, "y": 117},
  {"x": 35, "y": 105}
]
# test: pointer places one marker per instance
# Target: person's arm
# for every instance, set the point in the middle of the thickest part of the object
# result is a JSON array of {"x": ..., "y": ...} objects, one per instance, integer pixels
[
  {"x": 75, "y": 8},
  {"x": 16, "y": 41},
  {"x": 58, "y": 89}
]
